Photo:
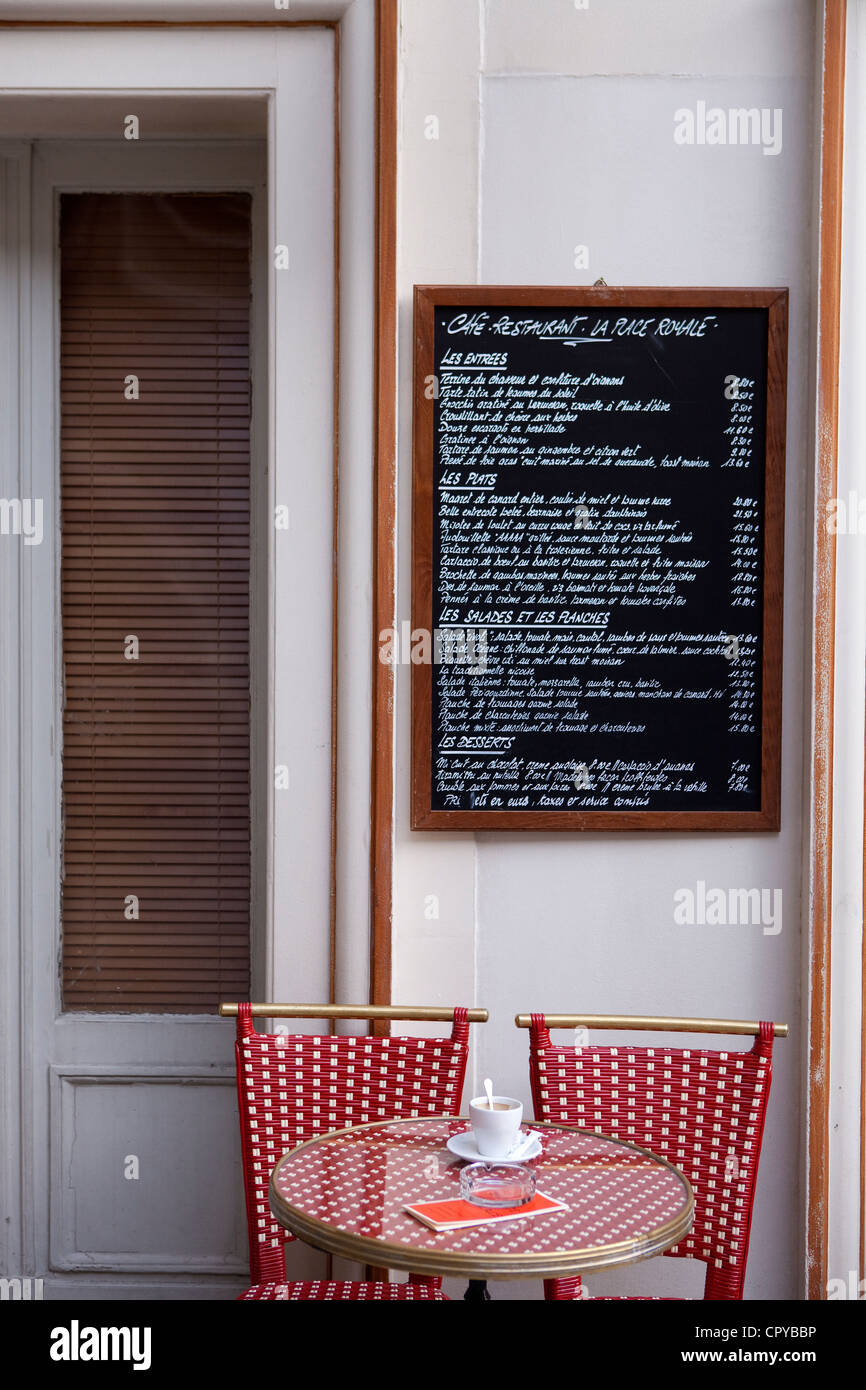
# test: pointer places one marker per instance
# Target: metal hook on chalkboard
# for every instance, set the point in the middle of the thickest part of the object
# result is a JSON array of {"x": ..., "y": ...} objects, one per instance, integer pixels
[{"x": 600, "y": 281}]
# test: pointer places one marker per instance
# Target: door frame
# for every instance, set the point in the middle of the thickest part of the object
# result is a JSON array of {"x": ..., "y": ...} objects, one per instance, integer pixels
[
  {"x": 384, "y": 691},
  {"x": 353, "y": 397}
]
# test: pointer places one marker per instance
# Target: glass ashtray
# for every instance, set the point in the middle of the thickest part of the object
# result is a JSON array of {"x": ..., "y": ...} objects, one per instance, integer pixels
[{"x": 494, "y": 1184}]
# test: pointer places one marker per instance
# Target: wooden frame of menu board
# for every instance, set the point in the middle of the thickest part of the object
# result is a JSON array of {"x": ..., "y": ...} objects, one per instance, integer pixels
[{"x": 622, "y": 406}]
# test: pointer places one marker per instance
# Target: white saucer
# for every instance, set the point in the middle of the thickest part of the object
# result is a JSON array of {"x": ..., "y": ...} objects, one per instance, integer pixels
[{"x": 464, "y": 1146}]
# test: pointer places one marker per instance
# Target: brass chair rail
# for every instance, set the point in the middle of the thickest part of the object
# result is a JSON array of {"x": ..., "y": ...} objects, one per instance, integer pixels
[
  {"x": 396, "y": 1012},
  {"x": 640, "y": 1022}
]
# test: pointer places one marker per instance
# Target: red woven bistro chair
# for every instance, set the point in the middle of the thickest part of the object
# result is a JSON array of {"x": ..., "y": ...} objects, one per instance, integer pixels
[
  {"x": 702, "y": 1110},
  {"x": 292, "y": 1087}
]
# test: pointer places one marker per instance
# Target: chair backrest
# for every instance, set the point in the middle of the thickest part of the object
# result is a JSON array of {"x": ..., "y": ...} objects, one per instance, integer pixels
[
  {"x": 702, "y": 1110},
  {"x": 292, "y": 1087}
]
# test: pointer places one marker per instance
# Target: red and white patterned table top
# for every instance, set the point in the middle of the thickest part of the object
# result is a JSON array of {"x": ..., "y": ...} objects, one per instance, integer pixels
[{"x": 345, "y": 1192}]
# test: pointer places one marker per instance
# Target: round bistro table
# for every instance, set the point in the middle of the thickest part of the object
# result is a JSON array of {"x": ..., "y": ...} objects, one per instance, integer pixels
[{"x": 346, "y": 1192}]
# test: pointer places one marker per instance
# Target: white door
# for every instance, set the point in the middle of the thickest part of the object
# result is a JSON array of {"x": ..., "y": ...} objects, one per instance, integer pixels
[
  {"x": 139, "y": 1105},
  {"x": 129, "y": 1182}
]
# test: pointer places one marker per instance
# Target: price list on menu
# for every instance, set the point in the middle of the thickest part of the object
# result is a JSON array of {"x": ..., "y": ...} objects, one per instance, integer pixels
[{"x": 597, "y": 559}]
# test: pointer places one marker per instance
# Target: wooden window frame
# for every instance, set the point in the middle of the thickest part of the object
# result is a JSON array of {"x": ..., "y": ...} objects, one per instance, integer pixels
[
  {"x": 824, "y": 645},
  {"x": 52, "y": 175},
  {"x": 95, "y": 969}
]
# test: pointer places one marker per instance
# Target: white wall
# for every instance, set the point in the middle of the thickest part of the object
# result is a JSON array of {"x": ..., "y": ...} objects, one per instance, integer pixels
[{"x": 556, "y": 129}]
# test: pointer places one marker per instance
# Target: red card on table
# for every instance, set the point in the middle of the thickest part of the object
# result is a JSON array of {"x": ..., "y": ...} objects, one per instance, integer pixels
[{"x": 451, "y": 1215}]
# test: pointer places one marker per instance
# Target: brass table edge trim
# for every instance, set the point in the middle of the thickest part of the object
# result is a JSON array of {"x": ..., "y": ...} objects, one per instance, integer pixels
[{"x": 422, "y": 1260}]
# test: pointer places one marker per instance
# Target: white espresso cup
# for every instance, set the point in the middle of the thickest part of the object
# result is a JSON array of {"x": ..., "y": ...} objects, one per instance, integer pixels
[{"x": 496, "y": 1130}]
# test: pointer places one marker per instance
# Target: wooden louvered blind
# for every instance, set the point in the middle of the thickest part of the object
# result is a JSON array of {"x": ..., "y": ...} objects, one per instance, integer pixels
[{"x": 155, "y": 488}]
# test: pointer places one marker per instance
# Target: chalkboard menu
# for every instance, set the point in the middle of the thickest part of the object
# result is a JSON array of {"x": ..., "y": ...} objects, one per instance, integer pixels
[{"x": 597, "y": 558}]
